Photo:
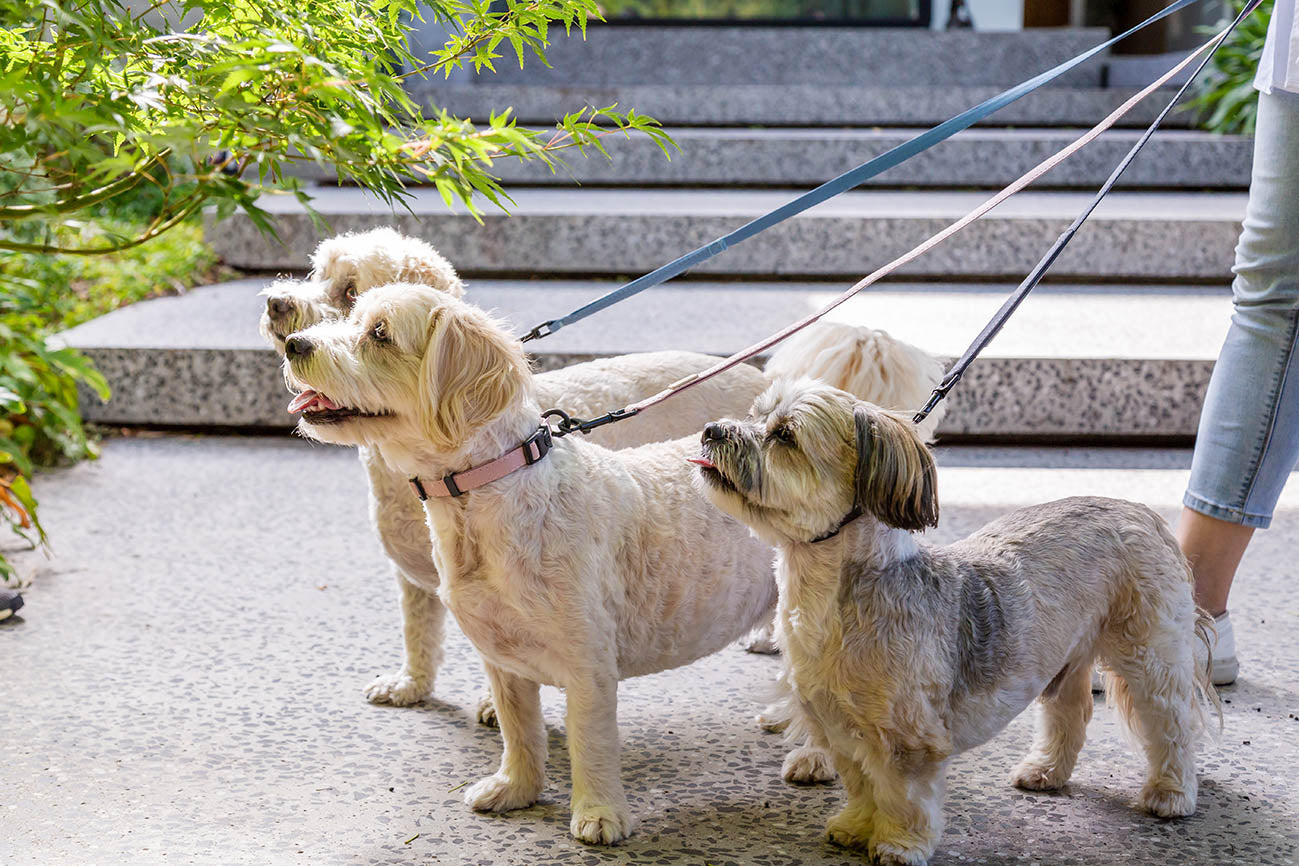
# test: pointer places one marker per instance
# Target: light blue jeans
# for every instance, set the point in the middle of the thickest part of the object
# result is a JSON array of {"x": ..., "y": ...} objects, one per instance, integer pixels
[{"x": 1248, "y": 441}]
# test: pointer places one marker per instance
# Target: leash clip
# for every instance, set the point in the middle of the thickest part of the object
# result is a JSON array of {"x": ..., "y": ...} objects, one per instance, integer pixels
[{"x": 545, "y": 329}]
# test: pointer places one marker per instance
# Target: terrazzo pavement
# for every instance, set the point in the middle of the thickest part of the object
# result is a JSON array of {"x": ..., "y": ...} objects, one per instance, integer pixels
[{"x": 184, "y": 686}]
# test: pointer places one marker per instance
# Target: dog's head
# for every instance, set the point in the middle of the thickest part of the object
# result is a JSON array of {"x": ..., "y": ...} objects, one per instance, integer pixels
[
  {"x": 345, "y": 267},
  {"x": 409, "y": 363},
  {"x": 808, "y": 454},
  {"x": 349, "y": 265},
  {"x": 292, "y": 306}
]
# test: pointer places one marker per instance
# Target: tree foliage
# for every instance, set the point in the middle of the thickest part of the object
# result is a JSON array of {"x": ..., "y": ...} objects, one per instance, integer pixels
[{"x": 209, "y": 102}]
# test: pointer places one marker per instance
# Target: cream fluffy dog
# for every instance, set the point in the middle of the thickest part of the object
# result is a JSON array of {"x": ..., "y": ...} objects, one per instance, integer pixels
[
  {"x": 860, "y": 360},
  {"x": 584, "y": 568},
  {"x": 902, "y": 655},
  {"x": 347, "y": 266}
]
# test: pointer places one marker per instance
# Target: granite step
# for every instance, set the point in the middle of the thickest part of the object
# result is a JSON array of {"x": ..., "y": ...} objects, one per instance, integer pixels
[
  {"x": 1166, "y": 236},
  {"x": 1075, "y": 362},
  {"x": 739, "y": 55},
  {"x": 788, "y": 104},
  {"x": 973, "y": 159}
]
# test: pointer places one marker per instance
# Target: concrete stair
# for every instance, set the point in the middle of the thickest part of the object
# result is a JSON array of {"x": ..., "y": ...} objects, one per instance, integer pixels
[
  {"x": 777, "y": 105},
  {"x": 1077, "y": 361},
  {"x": 1132, "y": 236},
  {"x": 803, "y": 158}
]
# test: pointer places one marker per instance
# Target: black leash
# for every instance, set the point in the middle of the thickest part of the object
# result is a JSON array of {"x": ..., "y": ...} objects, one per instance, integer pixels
[{"x": 1039, "y": 271}]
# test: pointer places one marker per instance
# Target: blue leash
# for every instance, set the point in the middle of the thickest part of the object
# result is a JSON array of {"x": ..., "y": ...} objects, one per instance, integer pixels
[
  {"x": 845, "y": 181},
  {"x": 1035, "y": 276}
]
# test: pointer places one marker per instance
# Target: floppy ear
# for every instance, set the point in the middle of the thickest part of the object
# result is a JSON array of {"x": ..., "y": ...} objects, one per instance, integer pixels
[
  {"x": 470, "y": 374},
  {"x": 896, "y": 477}
]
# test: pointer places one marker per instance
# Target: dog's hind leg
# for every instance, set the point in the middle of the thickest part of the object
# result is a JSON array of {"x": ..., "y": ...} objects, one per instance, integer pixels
[
  {"x": 423, "y": 623},
  {"x": 600, "y": 812},
  {"x": 1153, "y": 688},
  {"x": 522, "y": 775},
  {"x": 1063, "y": 711}
]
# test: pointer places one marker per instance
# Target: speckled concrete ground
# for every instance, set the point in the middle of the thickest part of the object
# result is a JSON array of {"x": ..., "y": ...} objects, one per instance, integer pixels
[{"x": 184, "y": 686}]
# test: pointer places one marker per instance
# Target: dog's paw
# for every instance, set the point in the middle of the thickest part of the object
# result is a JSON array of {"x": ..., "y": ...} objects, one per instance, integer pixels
[
  {"x": 849, "y": 828},
  {"x": 772, "y": 721},
  {"x": 1167, "y": 801},
  {"x": 486, "y": 714},
  {"x": 762, "y": 642},
  {"x": 497, "y": 793},
  {"x": 888, "y": 854},
  {"x": 1034, "y": 776},
  {"x": 399, "y": 689},
  {"x": 807, "y": 765},
  {"x": 601, "y": 825}
]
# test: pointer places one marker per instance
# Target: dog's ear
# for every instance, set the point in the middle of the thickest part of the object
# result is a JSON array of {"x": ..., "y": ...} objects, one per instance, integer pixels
[
  {"x": 896, "y": 477},
  {"x": 470, "y": 374}
]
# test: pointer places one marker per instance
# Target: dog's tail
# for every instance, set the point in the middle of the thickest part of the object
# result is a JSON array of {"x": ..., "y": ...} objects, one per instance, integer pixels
[
  {"x": 1205, "y": 693},
  {"x": 1206, "y": 696},
  {"x": 867, "y": 363}
]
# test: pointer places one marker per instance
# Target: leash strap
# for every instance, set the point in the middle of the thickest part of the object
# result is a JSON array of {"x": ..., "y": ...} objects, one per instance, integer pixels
[
  {"x": 849, "y": 179},
  {"x": 1039, "y": 270},
  {"x": 533, "y": 449},
  {"x": 1017, "y": 185}
]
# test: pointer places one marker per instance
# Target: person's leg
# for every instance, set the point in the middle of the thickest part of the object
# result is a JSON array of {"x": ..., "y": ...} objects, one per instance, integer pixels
[
  {"x": 1214, "y": 549},
  {"x": 1248, "y": 439}
]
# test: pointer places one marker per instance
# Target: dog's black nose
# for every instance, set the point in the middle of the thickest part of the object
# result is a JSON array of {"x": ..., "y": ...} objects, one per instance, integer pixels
[
  {"x": 297, "y": 347},
  {"x": 713, "y": 431},
  {"x": 278, "y": 308}
]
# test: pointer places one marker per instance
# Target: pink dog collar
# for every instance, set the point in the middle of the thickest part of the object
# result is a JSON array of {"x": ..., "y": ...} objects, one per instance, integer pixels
[{"x": 533, "y": 449}]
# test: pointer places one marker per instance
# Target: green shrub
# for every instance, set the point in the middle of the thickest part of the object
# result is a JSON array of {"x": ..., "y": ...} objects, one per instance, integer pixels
[{"x": 1225, "y": 95}]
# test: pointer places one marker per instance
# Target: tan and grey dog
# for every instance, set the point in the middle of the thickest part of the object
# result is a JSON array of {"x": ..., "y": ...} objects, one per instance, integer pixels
[
  {"x": 584, "y": 568},
  {"x": 902, "y": 655}
]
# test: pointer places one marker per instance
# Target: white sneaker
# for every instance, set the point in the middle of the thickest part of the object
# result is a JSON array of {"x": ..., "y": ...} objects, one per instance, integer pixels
[{"x": 1225, "y": 666}]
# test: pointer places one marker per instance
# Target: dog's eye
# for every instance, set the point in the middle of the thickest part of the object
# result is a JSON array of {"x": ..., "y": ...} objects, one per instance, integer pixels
[
  {"x": 349, "y": 291},
  {"x": 379, "y": 332},
  {"x": 783, "y": 435}
]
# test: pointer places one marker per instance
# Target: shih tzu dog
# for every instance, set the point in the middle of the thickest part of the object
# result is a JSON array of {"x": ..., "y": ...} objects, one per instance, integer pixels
[
  {"x": 564, "y": 562},
  {"x": 901, "y": 655},
  {"x": 861, "y": 360}
]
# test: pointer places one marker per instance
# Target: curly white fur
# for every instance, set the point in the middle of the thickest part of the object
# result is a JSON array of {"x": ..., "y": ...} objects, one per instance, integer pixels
[
  {"x": 585, "y": 568},
  {"x": 903, "y": 655}
]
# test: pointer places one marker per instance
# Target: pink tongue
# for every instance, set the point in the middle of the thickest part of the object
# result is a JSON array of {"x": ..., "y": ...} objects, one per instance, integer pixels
[
  {"x": 700, "y": 461},
  {"x": 310, "y": 399},
  {"x": 302, "y": 401}
]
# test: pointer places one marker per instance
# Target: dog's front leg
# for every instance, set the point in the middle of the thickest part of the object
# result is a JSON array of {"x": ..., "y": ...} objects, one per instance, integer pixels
[
  {"x": 908, "y": 788},
  {"x": 522, "y": 775},
  {"x": 852, "y": 826},
  {"x": 600, "y": 811},
  {"x": 423, "y": 617}
]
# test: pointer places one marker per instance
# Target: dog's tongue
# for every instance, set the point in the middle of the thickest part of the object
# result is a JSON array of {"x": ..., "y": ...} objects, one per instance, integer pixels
[
  {"x": 701, "y": 461},
  {"x": 309, "y": 399}
]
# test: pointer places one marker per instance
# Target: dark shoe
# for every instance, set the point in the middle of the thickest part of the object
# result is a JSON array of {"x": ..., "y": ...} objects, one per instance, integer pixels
[{"x": 10, "y": 601}]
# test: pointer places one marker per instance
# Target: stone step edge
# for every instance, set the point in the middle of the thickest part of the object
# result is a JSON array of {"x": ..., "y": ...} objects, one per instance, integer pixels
[
  {"x": 802, "y": 158},
  {"x": 799, "y": 105},
  {"x": 999, "y": 397}
]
